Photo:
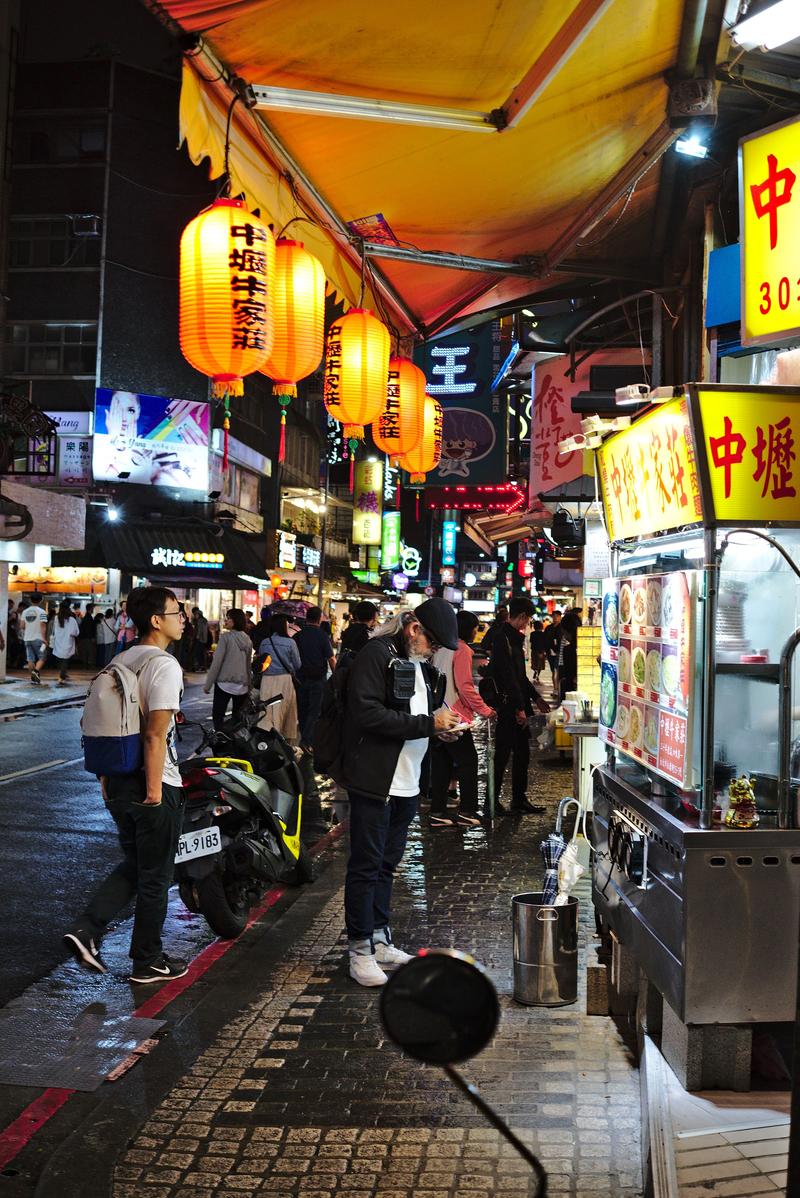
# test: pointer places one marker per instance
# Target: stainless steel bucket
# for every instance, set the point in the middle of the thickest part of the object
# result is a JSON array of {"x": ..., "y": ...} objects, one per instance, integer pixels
[{"x": 545, "y": 951}]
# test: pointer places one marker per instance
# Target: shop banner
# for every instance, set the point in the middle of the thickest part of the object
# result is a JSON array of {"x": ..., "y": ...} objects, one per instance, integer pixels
[
  {"x": 460, "y": 370},
  {"x": 449, "y": 537},
  {"x": 72, "y": 424},
  {"x": 769, "y": 219},
  {"x": 367, "y": 503},
  {"x": 751, "y": 440},
  {"x": 390, "y": 542},
  {"x": 151, "y": 439},
  {"x": 75, "y": 461},
  {"x": 646, "y": 672},
  {"x": 648, "y": 474}
]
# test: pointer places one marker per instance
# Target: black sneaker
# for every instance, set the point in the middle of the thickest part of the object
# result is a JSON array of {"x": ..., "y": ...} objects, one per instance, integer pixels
[
  {"x": 84, "y": 950},
  {"x": 162, "y": 971},
  {"x": 523, "y": 807},
  {"x": 35, "y": 679}
]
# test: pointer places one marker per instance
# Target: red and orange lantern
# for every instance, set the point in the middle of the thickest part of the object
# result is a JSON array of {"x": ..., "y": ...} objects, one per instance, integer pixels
[
  {"x": 425, "y": 456},
  {"x": 299, "y": 323},
  {"x": 399, "y": 427}
]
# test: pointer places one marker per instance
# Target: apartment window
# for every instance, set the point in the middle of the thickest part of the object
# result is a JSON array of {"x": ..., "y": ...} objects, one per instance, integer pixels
[
  {"x": 53, "y": 241},
  {"x": 46, "y": 347},
  {"x": 58, "y": 140}
]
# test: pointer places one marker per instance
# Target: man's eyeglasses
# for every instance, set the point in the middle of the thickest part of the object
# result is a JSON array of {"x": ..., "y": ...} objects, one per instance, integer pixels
[{"x": 180, "y": 614}]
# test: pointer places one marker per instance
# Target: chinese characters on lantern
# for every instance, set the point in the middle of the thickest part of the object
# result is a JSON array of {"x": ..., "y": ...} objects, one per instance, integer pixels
[{"x": 247, "y": 261}]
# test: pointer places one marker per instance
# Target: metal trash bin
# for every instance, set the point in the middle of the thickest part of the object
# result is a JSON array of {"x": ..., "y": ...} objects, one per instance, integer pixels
[{"x": 545, "y": 951}]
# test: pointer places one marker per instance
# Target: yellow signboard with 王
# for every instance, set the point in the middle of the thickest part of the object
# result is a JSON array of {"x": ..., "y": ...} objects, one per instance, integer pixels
[
  {"x": 648, "y": 475},
  {"x": 751, "y": 440},
  {"x": 769, "y": 207}
]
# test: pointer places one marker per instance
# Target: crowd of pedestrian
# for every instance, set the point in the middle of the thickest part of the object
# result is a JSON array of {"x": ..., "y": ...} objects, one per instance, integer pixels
[{"x": 409, "y": 701}]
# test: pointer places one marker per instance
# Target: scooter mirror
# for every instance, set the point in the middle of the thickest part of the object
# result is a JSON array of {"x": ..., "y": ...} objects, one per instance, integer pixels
[{"x": 440, "y": 1008}]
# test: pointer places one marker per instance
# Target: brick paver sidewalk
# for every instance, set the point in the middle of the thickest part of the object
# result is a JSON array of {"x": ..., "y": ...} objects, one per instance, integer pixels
[{"x": 301, "y": 1097}]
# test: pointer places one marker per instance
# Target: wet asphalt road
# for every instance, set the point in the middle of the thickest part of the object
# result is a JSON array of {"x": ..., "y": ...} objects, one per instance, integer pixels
[{"x": 57, "y": 840}]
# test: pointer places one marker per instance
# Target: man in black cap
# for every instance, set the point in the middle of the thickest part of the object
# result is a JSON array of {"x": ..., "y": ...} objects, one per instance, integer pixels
[{"x": 392, "y": 694}]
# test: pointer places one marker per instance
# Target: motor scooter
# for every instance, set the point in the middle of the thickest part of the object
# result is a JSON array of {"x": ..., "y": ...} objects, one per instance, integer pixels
[{"x": 241, "y": 823}]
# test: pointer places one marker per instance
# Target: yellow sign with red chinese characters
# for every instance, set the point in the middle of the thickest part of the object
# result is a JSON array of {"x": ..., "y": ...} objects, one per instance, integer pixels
[
  {"x": 368, "y": 503},
  {"x": 751, "y": 441},
  {"x": 648, "y": 475},
  {"x": 769, "y": 204}
]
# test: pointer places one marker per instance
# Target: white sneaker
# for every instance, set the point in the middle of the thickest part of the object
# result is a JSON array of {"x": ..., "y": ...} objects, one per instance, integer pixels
[
  {"x": 365, "y": 970},
  {"x": 390, "y": 957}
]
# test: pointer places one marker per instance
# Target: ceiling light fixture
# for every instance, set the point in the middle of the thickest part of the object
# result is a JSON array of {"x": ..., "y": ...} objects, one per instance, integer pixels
[
  {"x": 773, "y": 26},
  {"x": 692, "y": 147},
  {"x": 287, "y": 99}
]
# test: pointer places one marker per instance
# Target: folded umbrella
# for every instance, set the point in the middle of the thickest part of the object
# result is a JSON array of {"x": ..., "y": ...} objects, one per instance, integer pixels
[{"x": 552, "y": 849}]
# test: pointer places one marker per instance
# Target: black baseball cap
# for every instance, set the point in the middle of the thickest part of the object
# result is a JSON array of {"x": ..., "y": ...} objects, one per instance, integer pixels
[{"x": 438, "y": 618}]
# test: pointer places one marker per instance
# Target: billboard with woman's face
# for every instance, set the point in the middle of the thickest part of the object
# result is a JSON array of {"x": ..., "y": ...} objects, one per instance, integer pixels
[{"x": 150, "y": 439}]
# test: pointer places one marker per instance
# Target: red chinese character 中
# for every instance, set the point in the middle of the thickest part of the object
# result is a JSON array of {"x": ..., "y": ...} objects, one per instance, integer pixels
[
  {"x": 774, "y": 453},
  {"x": 629, "y": 482},
  {"x": 775, "y": 198},
  {"x": 727, "y": 451}
]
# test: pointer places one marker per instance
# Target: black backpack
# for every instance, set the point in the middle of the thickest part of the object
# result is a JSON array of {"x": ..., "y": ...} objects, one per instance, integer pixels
[{"x": 329, "y": 730}]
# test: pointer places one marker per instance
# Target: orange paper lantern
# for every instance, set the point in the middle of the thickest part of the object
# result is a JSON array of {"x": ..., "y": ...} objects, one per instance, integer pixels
[
  {"x": 398, "y": 429},
  {"x": 356, "y": 371},
  {"x": 227, "y": 278},
  {"x": 425, "y": 456}
]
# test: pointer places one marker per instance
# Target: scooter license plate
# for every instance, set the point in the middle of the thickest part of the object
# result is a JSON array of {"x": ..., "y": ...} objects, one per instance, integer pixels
[{"x": 198, "y": 844}]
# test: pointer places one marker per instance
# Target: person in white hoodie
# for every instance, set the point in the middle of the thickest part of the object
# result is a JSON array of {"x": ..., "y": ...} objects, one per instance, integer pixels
[{"x": 230, "y": 673}]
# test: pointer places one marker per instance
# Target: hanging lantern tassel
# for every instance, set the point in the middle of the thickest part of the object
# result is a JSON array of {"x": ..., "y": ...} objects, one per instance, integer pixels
[
  {"x": 417, "y": 507},
  {"x": 226, "y": 426},
  {"x": 285, "y": 393},
  {"x": 351, "y": 431}
]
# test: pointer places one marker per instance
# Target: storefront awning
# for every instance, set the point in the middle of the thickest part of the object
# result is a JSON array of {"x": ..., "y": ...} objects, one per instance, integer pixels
[
  {"x": 180, "y": 554},
  {"x": 513, "y": 130}
]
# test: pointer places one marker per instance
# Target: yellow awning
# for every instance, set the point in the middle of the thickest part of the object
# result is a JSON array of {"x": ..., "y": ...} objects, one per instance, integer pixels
[{"x": 490, "y": 195}]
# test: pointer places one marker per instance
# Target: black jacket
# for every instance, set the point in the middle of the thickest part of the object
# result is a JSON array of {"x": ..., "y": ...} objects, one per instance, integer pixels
[
  {"x": 376, "y": 724},
  {"x": 508, "y": 669},
  {"x": 354, "y": 637}
]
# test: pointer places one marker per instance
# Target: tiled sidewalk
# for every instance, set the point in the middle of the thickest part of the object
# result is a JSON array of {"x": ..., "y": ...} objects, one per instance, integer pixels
[{"x": 301, "y": 1097}]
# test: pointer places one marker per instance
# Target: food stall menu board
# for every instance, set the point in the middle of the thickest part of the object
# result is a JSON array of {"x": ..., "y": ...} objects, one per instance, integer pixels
[{"x": 646, "y": 671}]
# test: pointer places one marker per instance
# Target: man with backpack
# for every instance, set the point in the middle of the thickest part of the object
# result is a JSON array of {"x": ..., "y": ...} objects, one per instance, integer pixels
[
  {"x": 142, "y": 792},
  {"x": 392, "y": 708}
]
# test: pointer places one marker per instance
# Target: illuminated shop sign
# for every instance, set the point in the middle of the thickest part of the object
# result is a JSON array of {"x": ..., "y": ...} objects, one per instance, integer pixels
[{"x": 162, "y": 556}]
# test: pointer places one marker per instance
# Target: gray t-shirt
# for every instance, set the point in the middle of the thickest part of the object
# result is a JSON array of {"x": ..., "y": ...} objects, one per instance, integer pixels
[{"x": 160, "y": 689}]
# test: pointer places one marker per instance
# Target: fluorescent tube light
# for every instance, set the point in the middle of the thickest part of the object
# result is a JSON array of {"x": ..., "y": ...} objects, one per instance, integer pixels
[
  {"x": 287, "y": 99},
  {"x": 773, "y": 26}
]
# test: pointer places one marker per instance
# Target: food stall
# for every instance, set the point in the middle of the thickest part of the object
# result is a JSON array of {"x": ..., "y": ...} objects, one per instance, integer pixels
[{"x": 696, "y": 824}]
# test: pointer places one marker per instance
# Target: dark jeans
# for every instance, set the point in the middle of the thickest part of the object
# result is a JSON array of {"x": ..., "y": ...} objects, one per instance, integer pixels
[
  {"x": 149, "y": 840},
  {"x": 459, "y": 758},
  {"x": 511, "y": 739},
  {"x": 309, "y": 706},
  {"x": 220, "y": 703},
  {"x": 200, "y": 656},
  {"x": 378, "y": 835}
]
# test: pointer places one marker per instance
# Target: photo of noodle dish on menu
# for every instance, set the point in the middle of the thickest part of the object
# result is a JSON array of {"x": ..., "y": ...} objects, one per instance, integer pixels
[
  {"x": 610, "y": 617},
  {"x": 625, "y": 603}
]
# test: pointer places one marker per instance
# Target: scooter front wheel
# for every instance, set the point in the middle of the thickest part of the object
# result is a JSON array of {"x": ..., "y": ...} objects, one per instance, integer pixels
[{"x": 224, "y": 919}]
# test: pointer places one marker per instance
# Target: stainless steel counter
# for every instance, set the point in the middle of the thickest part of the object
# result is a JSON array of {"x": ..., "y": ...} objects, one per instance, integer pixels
[{"x": 710, "y": 914}]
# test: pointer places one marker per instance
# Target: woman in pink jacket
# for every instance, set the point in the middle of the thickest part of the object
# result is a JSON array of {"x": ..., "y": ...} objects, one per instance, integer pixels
[{"x": 458, "y": 758}]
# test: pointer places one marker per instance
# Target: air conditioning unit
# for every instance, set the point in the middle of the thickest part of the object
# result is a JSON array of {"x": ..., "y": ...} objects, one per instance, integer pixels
[{"x": 692, "y": 101}]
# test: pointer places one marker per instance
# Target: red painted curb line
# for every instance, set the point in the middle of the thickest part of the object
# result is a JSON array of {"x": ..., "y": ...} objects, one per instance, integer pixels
[{"x": 18, "y": 1134}]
